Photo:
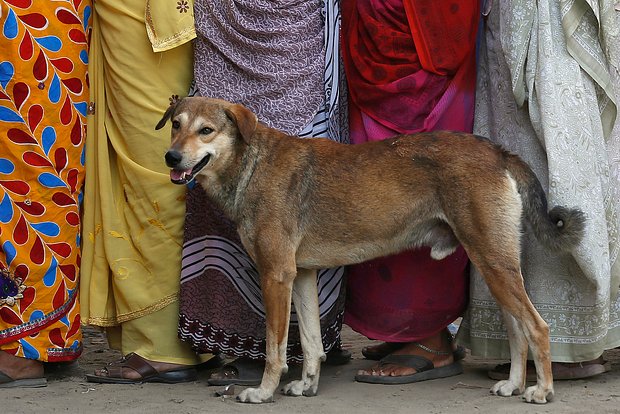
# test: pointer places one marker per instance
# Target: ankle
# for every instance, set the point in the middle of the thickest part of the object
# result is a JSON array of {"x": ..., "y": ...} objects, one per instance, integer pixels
[{"x": 441, "y": 341}]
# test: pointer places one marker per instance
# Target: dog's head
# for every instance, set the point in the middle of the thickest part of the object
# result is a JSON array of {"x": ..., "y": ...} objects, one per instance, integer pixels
[{"x": 205, "y": 133}]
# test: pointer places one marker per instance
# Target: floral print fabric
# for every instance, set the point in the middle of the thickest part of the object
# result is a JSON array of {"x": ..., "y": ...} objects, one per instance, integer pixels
[{"x": 43, "y": 106}]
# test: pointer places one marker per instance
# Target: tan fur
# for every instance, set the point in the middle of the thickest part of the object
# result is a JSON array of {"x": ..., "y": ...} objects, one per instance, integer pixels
[{"x": 306, "y": 204}]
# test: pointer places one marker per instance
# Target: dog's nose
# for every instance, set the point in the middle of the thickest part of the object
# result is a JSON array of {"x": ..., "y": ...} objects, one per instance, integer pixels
[{"x": 173, "y": 158}]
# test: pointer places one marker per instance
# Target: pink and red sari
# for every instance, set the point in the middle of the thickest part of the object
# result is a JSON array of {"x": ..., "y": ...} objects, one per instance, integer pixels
[{"x": 410, "y": 67}]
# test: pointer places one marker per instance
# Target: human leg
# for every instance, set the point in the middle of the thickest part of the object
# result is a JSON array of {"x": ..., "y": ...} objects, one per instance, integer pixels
[
  {"x": 43, "y": 128},
  {"x": 132, "y": 256}
]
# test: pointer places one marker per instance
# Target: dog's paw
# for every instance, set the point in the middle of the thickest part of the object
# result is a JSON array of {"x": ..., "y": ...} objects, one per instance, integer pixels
[
  {"x": 538, "y": 395},
  {"x": 255, "y": 396},
  {"x": 300, "y": 387},
  {"x": 506, "y": 388}
]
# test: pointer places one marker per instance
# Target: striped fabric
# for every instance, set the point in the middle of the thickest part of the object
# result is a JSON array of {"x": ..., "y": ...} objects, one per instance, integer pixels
[{"x": 212, "y": 257}]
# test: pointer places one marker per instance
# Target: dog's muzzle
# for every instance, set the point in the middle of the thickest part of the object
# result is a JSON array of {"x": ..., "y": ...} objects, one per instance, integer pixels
[{"x": 179, "y": 176}]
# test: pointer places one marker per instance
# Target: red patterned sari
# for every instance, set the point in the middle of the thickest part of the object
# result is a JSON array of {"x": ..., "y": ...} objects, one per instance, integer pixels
[
  {"x": 43, "y": 105},
  {"x": 410, "y": 67}
]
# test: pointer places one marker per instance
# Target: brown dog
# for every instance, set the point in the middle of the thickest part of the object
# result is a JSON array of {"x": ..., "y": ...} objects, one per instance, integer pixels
[{"x": 307, "y": 204}]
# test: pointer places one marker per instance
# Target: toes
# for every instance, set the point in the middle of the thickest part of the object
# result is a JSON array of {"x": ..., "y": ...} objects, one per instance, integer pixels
[
  {"x": 538, "y": 395},
  {"x": 506, "y": 388},
  {"x": 300, "y": 387},
  {"x": 254, "y": 396},
  {"x": 294, "y": 389},
  {"x": 310, "y": 392}
]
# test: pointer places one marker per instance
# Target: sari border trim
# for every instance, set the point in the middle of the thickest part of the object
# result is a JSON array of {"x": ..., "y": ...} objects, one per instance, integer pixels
[
  {"x": 64, "y": 354},
  {"x": 125, "y": 317},
  {"x": 26, "y": 329}
]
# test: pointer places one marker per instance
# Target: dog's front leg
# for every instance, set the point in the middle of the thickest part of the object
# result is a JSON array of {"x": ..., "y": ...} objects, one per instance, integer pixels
[
  {"x": 276, "y": 286},
  {"x": 306, "y": 300}
]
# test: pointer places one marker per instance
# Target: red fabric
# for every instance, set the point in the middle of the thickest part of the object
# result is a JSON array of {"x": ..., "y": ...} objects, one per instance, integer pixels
[
  {"x": 444, "y": 32},
  {"x": 392, "y": 68},
  {"x": 404, "y": 80}
]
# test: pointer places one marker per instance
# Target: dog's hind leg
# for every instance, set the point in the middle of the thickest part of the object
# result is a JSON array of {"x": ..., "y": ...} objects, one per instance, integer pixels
[
  {"x": 306, "y": 300},
  {"x": 518, "y": 357},
  {"x": 506, "y": 284},
  {"x": 277, "y": 274},
  {"x": 491, "y": 236}
]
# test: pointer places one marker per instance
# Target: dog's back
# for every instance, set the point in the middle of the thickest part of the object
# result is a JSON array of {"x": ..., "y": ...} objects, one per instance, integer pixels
[{"x": 405, "y": 192}]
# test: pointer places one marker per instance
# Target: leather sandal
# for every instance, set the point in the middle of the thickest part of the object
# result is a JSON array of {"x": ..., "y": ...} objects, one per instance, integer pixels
[{"x": 135, "y": 362}]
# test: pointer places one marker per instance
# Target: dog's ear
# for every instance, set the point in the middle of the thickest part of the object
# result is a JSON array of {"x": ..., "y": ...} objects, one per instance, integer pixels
[
  {"x": 174, "y": 101},
  {"x": 245, "y": 120}
]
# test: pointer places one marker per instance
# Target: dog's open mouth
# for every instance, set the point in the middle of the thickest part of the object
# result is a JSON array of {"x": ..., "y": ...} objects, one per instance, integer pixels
[{"x": 185, "y": 176}]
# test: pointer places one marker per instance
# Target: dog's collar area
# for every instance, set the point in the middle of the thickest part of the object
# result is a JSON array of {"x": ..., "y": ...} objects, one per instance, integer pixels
[{"x": 182, "y": 177}]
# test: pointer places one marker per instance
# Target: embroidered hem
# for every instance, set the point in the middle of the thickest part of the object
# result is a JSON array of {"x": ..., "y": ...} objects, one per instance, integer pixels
[{"x": 115, "y": 321}]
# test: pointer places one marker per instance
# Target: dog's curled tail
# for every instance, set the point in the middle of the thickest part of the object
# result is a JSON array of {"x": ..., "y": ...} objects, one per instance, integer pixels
[{"x": 560, "y": 229}]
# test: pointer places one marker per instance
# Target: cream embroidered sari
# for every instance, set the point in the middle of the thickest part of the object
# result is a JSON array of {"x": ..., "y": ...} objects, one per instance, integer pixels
[{"x": 548, "y": 90}]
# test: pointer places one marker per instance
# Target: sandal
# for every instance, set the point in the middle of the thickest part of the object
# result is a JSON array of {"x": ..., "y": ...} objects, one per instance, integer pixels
[
  {"x": 560, "y": 370},
  {"x": 425, "y": 370},
  {"x": 8, "y": 382},
  {"x": 217, "y": 361},
  {"x": 135, "y": 362},
  {"x": 241, "y": 371},
  {"x": 338, "y": 356},
  {"x": 245, "y": 371}
]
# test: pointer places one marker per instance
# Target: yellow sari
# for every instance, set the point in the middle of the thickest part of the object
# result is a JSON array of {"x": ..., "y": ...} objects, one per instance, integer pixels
[{"x": 133, "y": 214}]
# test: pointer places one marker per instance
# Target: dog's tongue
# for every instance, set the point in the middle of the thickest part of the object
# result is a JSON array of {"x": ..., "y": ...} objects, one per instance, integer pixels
[{"x": 178, "y": 175}]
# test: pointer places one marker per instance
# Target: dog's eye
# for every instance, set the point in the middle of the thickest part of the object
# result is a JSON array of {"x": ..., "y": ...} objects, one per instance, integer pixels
[
  {"x": 176, "y": 124},
  {"x": 206, "y": 131}
]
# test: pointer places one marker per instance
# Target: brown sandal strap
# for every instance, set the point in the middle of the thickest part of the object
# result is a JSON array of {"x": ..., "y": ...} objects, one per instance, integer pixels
[{"x": 134, "y": 362}]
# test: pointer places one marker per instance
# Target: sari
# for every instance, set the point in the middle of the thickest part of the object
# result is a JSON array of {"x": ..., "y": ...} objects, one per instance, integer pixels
[
  {"x": 133, "y": 214},
  {"x": 548, "y": 90},
  {"x": 43, "y": 104},
  {"x": 410, "y": 67},
  {"x": 280, "y": 60}
]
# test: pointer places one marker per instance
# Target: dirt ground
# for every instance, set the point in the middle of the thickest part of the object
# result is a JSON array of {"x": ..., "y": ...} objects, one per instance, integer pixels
[{"x": 68, "y": 391}]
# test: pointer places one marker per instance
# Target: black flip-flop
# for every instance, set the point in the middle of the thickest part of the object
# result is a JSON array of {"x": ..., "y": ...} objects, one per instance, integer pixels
[
  {"x": 338, "y": 356},
  {"x": 8, "y": 382},
  {"x": 424, "y": 367}
]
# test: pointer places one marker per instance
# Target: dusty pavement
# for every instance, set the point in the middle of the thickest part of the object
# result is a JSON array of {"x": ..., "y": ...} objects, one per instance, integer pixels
[{"x": 68, "y": 392}]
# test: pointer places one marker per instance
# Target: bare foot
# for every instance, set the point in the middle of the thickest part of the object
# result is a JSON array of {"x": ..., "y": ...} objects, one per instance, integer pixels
[
  {"x": 438, "y": 342},
  {"x": 20, "y": 368}
]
